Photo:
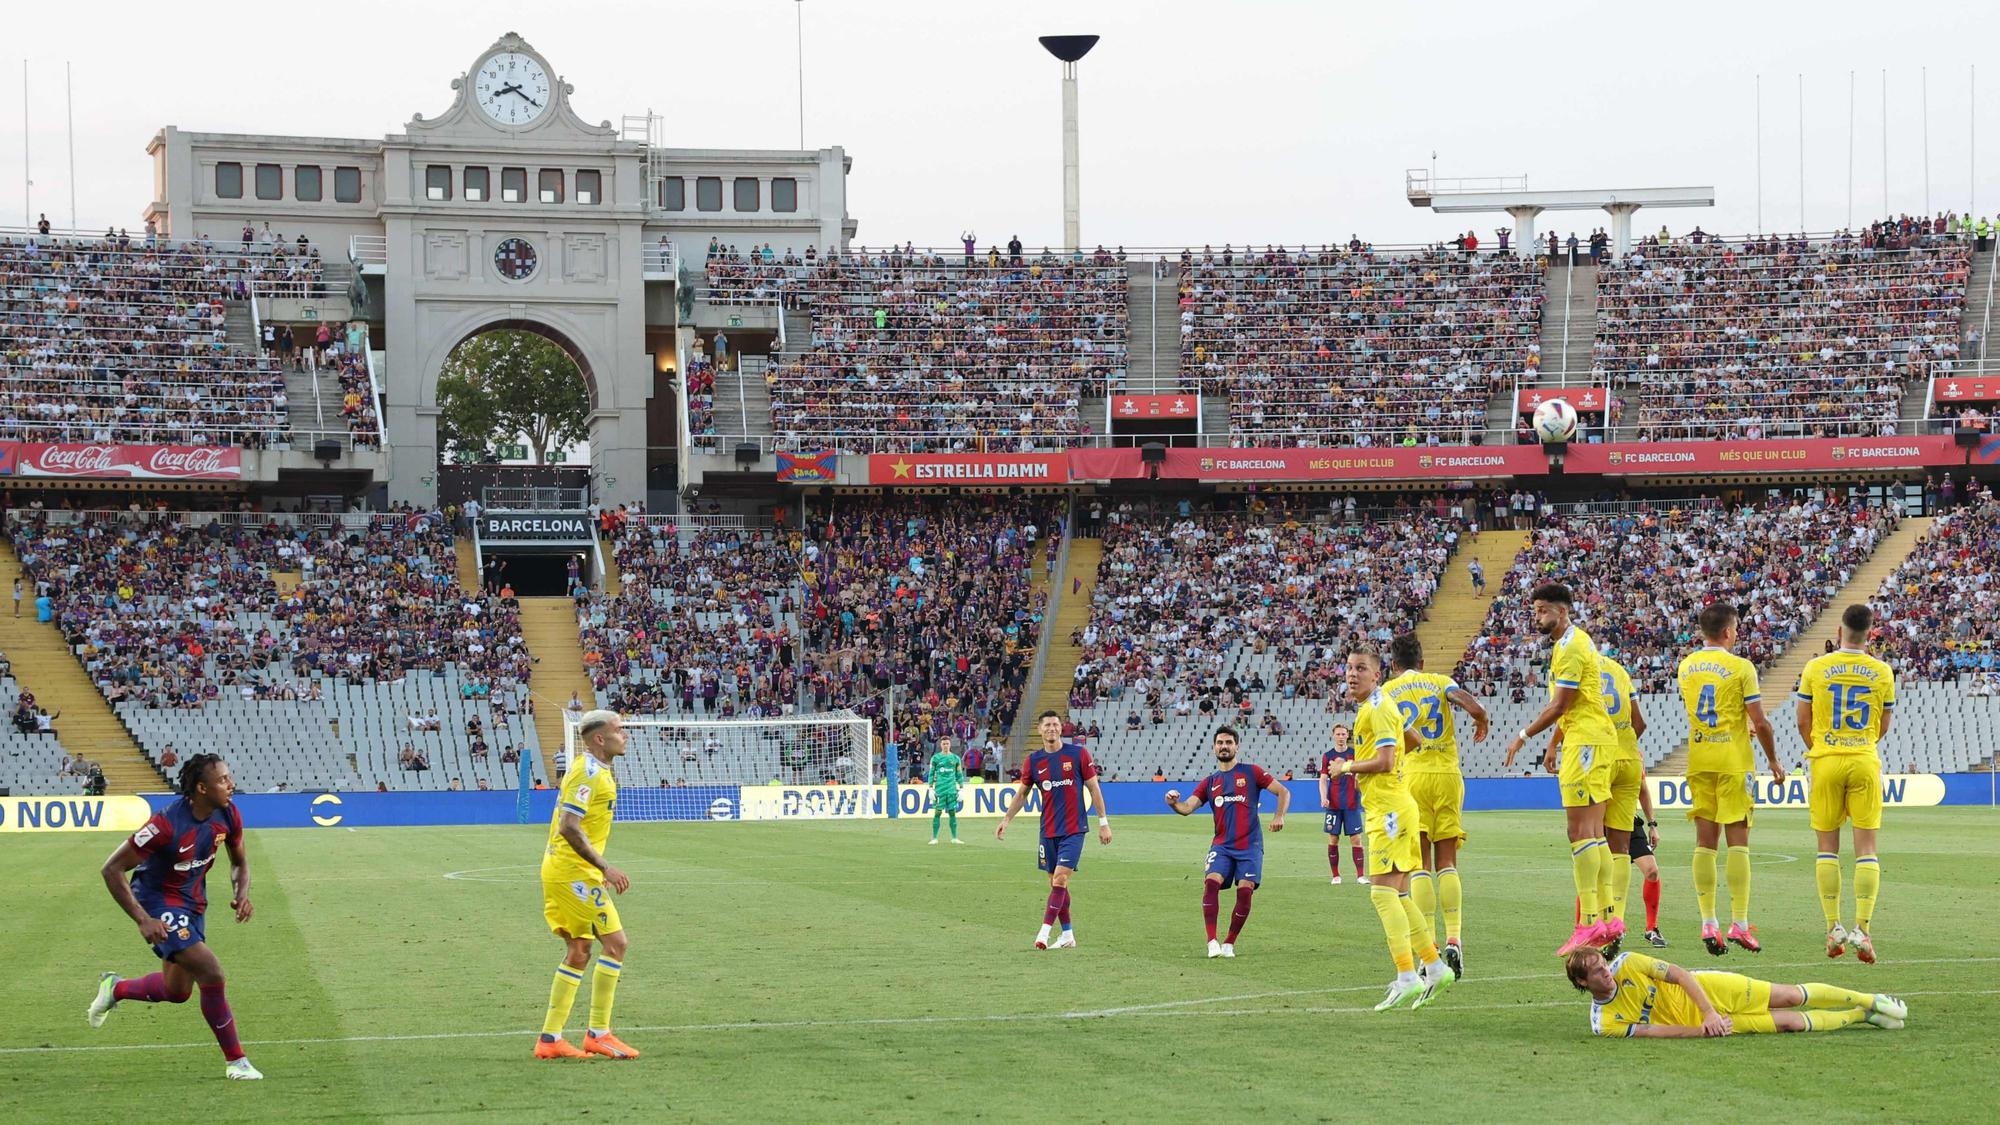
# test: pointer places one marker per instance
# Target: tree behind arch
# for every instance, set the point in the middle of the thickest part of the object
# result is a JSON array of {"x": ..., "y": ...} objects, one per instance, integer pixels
[{"x": 505, "y": 383}]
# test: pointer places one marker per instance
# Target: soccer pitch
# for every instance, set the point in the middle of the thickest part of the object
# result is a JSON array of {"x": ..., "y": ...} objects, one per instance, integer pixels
[{"x": 844, "y": 970}]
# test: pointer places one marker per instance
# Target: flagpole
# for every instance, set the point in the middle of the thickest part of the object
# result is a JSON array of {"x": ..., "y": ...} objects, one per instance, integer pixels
[
  {"x": 1760, "y": 154},
  {"x": 1850, "y": 150},
  {"x": 27, "y": 164},
  {"x": 69, "y": 114}
]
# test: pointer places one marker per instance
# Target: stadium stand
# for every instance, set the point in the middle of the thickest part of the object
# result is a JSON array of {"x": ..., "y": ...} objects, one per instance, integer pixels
[
  {"x": 32, "y": 761},
  {"x": 1778, "y": 337},
  {"x": 924, "y": 353},
  {"x": 376, "y": 669},
  {"x": 1357, "y": 348},
  {"x": 112, "y": 340},
  {"x": 701, "y": 403},
  {"x": 1938, "y": 615},
  {"x": 1234, "y": 617}
]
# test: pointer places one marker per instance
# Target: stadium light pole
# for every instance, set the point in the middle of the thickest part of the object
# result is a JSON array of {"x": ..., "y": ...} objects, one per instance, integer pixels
[{"x": 1070, "y": 48}]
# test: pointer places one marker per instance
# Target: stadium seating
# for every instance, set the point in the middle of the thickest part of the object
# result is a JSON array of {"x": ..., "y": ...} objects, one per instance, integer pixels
[
  {"x": 733, "y": 278},
  {"x": 1356, "y": 349},
  {"x": 1192, "y": 617},
  {"x": 700, "y": 390},
  {"x": 1938, "y": 615},
  {"x": 116, "y": 341},
  {"x": 1774, "y": 337},
  {"x": 180, "y": 622},
  {"x": 928, "y": 353},
  {"x": 32, "y": 763}
]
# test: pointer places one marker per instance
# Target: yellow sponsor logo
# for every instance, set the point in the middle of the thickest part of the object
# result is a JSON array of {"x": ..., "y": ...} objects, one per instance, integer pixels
[{"x": 73, "y": 814}]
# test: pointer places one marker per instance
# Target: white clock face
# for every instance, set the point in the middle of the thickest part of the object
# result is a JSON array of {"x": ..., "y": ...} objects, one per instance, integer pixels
[{"x": 511, "y": 87}]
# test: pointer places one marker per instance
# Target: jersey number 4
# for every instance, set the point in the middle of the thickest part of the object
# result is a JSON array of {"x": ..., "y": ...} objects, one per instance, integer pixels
[{"x": 1704, "y": 707}]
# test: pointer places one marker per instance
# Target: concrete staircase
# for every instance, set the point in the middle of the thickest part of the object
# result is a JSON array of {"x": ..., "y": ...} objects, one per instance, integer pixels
[
  {"x": 240, "y": 326},
  {"x": 743, "y": 400},
  {"x": 468, "y": 565},
  {"x": 1569, "y": 321},
  {"x": 614, "y": 581},
  {"x": 86, "y": 725},
  {"x": 1779, "y": 680},
  {"x": 548, "y": 627},
  {"x": 1060, "y": 671},
  {"x": 1985, "y": 359},
  {"x": 1153, "y": 327},
  {"x": 307, "y": 403},
  {"x": 1215, "y": 418},
  {"x": 1458, "y": 613}
]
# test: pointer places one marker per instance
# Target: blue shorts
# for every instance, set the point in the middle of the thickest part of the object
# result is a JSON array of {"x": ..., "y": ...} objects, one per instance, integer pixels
[
  {"x": 1236, "y": 865},
  {"x": 184, "y": 928},
  {"x": 1060, "y": 851},
  {"x": 1343, "y": 822}
]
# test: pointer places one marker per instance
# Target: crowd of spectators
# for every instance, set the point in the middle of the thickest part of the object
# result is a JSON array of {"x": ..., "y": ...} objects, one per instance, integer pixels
[
  {"x": 1641, "y": 578},
  {"x": 112, "y": 340},
  {"x": 1938, "y": 616},
  {"x": 921, "y": 352},
  {"x": 933, "y": 595},
  {"x": 341, "y": 351},
  {"x": 735, "y": 277},
  {"x": 1779, "y": 336},
  {"x": 1179, "y": 594},
  {"x": 701, "y": 403},
  {"x": 703, "y": 624},
  {"x": 173, "y": 614},
  {"x": 1356, "y": 348}
]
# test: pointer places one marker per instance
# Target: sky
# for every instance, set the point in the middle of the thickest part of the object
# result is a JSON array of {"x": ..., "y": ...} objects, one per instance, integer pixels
[{"x": 1202, "y": 123}]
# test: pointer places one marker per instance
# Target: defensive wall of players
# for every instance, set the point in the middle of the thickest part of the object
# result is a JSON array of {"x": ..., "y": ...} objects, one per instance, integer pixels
[{"x": 821, "y": 802}]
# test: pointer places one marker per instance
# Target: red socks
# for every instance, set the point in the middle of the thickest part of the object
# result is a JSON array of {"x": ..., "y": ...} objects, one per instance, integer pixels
[
  {"x": 1209, "y": 906},
  {"x": 1358, "y": 868},
  {"x": 215, "y": 1009},
  {"x": 1062, "y": 912},
  {"x": 1333, "y": 858},
  {"x": 150, "y": 989},
  {"x": 1650, "y": 888},
  {"x": 1054, "y": 907},
  {"x": 1240, "y": 914}
]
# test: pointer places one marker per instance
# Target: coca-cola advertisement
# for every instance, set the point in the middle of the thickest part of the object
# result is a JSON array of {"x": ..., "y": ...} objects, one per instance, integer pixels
[{"x": 134, "y": 462}]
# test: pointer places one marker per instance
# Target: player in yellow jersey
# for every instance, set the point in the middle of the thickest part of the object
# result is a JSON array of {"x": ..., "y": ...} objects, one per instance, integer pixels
[
  {"x": 1844, "y": 702},
  {"x": 1436, "y": 783},
  {"x": 1576, "y": 702},
  {"x": 574, "y": 877},
  {"x": 1719, "y": 689},
  {"x": 1628, "y": 786},
  {"x": 1390, "y": 819},
  {"x": 1636, "y": 996}
]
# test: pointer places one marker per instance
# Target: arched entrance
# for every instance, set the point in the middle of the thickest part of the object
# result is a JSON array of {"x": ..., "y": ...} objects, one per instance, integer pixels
[{"x": 514, "y": 391}]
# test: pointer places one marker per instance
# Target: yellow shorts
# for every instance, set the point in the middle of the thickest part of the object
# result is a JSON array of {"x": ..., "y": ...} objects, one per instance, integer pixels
[
  {"x": 1627, "y": 775},
  {"x": 1737, "y": 996},
  {"x": 1440, "y": 799},
  {"x": 1720, "y": 797},
  {"x": 1585, "y": 775},
  {"x": 1392, "y": 840},
  {"x": 1845, "y": 787},
  {"x": 580, "y": 909}
]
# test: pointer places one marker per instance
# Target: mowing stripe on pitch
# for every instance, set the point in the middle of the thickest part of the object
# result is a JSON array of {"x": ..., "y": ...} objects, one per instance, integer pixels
[{"x": 1176, "y": 1008}]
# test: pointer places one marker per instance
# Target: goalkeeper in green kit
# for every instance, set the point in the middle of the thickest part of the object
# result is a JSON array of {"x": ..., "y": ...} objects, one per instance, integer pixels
[{"x": 947, "y": 773}]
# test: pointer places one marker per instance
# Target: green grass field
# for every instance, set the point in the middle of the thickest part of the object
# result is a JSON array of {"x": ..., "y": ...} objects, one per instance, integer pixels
[{"x": 840, "y": 971}]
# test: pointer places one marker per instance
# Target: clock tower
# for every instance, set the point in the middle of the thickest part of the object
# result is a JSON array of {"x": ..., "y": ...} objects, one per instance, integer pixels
[{"x": 508, "y": 210}]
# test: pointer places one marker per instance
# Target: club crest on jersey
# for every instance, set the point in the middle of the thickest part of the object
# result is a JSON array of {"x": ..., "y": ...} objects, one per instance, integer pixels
[
  {"x": 1242, "y": 783},
  {"x": 1068, "y": 766}
]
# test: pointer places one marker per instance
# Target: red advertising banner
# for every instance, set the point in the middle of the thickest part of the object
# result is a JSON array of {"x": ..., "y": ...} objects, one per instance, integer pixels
[
  {"x": 1448, "y": 462},
  {"x": 1967, "y": 391},
  {"x": 1798, "y": 455},
  {"x": 1123, "y": 463},
  {"x": 968, "y": 468},
  {"x": 135, "y": 462},
  {"x": 1128, "y": 407},
  {"x": 1583, "y": 400}
]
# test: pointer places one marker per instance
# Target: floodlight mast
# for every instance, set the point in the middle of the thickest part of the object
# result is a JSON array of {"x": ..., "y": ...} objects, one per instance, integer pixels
[{"x": 1070, "y": 48}]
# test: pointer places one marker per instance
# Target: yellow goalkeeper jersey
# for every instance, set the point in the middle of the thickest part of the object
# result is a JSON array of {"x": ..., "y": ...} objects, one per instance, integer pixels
[{"x": 591, "y": 792}]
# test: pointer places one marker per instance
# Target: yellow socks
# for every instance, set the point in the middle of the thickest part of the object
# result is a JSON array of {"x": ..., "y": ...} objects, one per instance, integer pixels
[
  {"x": 1423, "y": 892},
  {"x": 1451, "y": 897},
  {"x": 1620, "y": 882},
  {"x": 603, "y": 984},
  {"x": 1395, "y": 925},
  {"x": 1826, "y": 873},
  {"x": 1833, "y": 996},
  {"x": 1834, "y": 1021},
  {"x": 1422, "y": 941},
  {"x": 1585, "y": 857},
  {"x": 562, "y": 994},
  {"x": 1704, "y": 882},
  {"x": 1739, "y": 885},
  {"x": 1867, "y": 883}
]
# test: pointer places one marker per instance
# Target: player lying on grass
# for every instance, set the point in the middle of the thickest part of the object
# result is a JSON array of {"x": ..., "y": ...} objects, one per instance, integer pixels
[
  {"x": 1633, "y": 995},
  {"x": 1237, "y": 852},
  {"x": 168, "y": 897}
]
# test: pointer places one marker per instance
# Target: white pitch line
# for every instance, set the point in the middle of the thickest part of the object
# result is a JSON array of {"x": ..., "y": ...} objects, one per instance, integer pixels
[{"x": 1157, "y": 1010}]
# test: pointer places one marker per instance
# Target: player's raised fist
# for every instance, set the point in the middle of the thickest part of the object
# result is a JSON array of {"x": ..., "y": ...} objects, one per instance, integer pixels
[{"x": 1173, "y": 795}]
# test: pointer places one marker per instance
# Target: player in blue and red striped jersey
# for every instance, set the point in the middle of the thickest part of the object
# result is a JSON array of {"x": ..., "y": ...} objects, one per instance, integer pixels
[
  {"x": 1340, "y": 796},
  {"x": 1061, "y": 770},
  {"x": 1237, "y": 852},
  {"x": 167, "y": 896}
]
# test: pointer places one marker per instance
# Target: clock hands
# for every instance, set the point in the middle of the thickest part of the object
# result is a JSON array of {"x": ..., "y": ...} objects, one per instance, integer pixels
[{"x": 511, "y": 88}]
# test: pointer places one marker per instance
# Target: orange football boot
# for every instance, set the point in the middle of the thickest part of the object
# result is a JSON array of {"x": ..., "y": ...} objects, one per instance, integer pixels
[
  {"x": 558, "y": 1048},
  {"x": 607, "y": 1045}
]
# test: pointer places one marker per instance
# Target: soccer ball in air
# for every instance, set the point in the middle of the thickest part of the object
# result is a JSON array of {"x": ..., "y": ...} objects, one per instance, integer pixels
[{"x": 1555, "y": 421}]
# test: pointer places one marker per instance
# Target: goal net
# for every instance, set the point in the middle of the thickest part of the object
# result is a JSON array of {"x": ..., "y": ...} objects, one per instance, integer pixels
[{"x": 804, "y": 766}]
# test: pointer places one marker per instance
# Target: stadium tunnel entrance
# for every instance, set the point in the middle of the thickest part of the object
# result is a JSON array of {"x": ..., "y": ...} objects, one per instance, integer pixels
[{"x": 535, "y": 573}]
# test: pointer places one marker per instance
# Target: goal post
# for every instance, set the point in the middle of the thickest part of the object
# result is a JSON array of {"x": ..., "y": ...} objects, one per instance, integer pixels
[{"x": 699, "y": 769}]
